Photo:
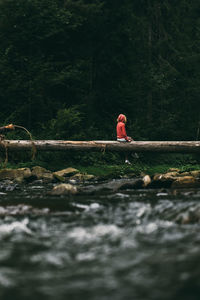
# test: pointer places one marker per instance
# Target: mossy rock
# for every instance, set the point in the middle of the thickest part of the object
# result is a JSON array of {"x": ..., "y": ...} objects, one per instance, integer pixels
[
  {"x": 83, "y": 177},
  {"x": 59, "y": 178},
  {"x": 68, "y": 172},
  {"x": 13, "y": 174},
  {"x": 42, "y": 173}
]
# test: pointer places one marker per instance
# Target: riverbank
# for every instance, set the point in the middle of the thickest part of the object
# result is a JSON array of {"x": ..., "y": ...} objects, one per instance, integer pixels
[
  {"x": 155, "y": 170},
  {"x": 104, "y": 169},
  {"x": 72, "y": 180}
]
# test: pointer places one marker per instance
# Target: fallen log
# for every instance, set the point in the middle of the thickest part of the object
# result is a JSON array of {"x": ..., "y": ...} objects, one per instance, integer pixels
[{"x": 134, "y": 146}]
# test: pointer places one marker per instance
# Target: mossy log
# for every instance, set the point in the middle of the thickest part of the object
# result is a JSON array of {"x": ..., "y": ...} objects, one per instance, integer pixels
[{"x": 135, "y": 146}]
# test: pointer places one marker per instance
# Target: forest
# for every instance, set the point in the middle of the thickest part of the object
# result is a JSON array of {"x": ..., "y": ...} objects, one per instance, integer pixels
[{"x": 68, "y": 68}]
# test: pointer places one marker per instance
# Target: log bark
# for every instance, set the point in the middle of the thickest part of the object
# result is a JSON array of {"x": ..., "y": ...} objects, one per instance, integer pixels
[{"x": 135, "y": 146}]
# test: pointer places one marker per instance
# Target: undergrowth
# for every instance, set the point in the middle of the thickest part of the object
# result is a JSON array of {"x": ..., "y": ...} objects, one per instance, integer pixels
[{"x": 104, "y": 164}]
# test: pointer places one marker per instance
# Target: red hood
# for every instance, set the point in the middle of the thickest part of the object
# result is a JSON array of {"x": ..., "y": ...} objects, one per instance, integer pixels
[{"x": 121, "y": 118}]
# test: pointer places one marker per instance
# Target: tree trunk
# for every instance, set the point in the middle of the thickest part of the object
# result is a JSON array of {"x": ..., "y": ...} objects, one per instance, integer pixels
[
  {"x": 140, "y": 146},
  {"x": 149, "y": 95}
]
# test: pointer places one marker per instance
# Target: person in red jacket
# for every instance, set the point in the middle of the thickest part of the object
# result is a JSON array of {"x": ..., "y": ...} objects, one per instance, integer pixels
[{"x": 121, "y": 132}]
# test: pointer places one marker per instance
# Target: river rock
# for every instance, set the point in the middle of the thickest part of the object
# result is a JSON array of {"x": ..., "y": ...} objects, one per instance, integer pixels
[
  {"x": 8, "y": 185},
  {"x": 68, "y": 172},
  {"x": 192, "y": 215},
  {"x": 42, "y": 173},
  {"x": 186, "y": 182},
  {"x": 177, "y": 180},
  {"x": 163, "y": 180},
  {"x": 173, "y": 170},
  {"x": 59, "y": 178},
  {"x": 136, "y": 183},
  {"x": 64, "y": 189},
  {"x": 146, "y": 180},
  {"x": 15, "y": 174},
  {"x": 165, "y": 177},
  {"x": 183, "y": 174},
  {"x": 19, "y": 180},
  {"x": 82, "y": 177},
  {"x": 196, "y": 173},
  {"x": 114, "y": 186}
]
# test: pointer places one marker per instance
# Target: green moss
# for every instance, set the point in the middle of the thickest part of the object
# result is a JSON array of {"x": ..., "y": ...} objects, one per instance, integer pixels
[
  {"x": 107, "y": 171},
  {"x": 108, "y": 166}
]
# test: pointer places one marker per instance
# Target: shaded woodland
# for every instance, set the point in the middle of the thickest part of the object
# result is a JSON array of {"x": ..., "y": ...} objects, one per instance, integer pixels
[{"x": 69, "y": 67}]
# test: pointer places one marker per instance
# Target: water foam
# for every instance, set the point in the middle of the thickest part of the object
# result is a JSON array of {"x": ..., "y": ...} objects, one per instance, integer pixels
[
  {"x": 15, "y": 226},
  {"x": 97, "y": 232}
]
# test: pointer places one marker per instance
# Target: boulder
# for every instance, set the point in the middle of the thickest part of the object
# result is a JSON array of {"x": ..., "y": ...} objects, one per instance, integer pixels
[
  {"x": 19, "y": 180},
  {"x": 165, "y": 177},
  {"x": 173, "y": 170},
  {"x": 82, "y": 177},
  {"x": 146, "y": 180},
  {"x": 42, "y": 173},
  {"x": 186, "y": 182},
  {"x": 191, "y": 216},
  {"x": 8, "y": 185},
  {"x": 163, "y": 180},
  {"x": 183, "y": 174},
  {"x": 170, "y": 175},
  {"x": 195, "y": 174},
  {"x": 136, "y": 183},
  {"x": 15, "y": 174},
  {"x": 68, "y": 172},
  {"x": 59, "y": 178},
  {"x": 183, "y": 218},
  {"x": 177, "y": 180},
  {"x": 64, "y": 189},
  {"x": 113, "y": 186}
]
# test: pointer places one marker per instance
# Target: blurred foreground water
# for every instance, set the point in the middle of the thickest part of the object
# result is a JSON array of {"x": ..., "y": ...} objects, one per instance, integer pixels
[{"x": 120, "y": 246}]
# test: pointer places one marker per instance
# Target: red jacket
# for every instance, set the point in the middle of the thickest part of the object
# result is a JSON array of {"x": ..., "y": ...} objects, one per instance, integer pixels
[{"x": 121, "y": 130}]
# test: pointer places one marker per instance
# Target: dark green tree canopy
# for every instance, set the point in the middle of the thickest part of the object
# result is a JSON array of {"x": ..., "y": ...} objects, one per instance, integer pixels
[{"x": 92, "y": 60}]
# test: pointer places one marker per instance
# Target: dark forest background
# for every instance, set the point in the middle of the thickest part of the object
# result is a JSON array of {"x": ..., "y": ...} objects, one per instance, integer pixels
[{"x": 69, "y": 67}]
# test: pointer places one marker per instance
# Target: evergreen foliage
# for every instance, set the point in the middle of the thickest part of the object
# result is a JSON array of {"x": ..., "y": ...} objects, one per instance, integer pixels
[{"x": 68, "y": 68}]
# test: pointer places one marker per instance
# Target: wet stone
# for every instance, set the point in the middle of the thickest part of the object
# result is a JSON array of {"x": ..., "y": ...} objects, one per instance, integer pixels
[
  {"x": 186, "y": 182},
  {"x": 64, "y": 189},
  {"x": 8, "y": 185},
  {"x": 42, "y": 173},
  {"x": 79, "y": 177},
  {"x": 146, "y": 180},
  {"x": 15, "y": 173},
  {"x": 68, "y": 172}
]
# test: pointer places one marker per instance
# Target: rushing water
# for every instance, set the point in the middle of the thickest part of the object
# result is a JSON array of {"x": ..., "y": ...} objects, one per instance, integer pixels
[{"x": 120, "y": 246}]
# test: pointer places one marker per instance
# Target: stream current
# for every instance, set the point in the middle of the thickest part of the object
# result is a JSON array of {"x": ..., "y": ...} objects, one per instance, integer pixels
[{"x": 110, "y": 245}]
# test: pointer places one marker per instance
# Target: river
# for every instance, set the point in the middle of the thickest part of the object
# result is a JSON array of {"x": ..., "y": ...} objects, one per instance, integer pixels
[{"x": 120, "y": 246}]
